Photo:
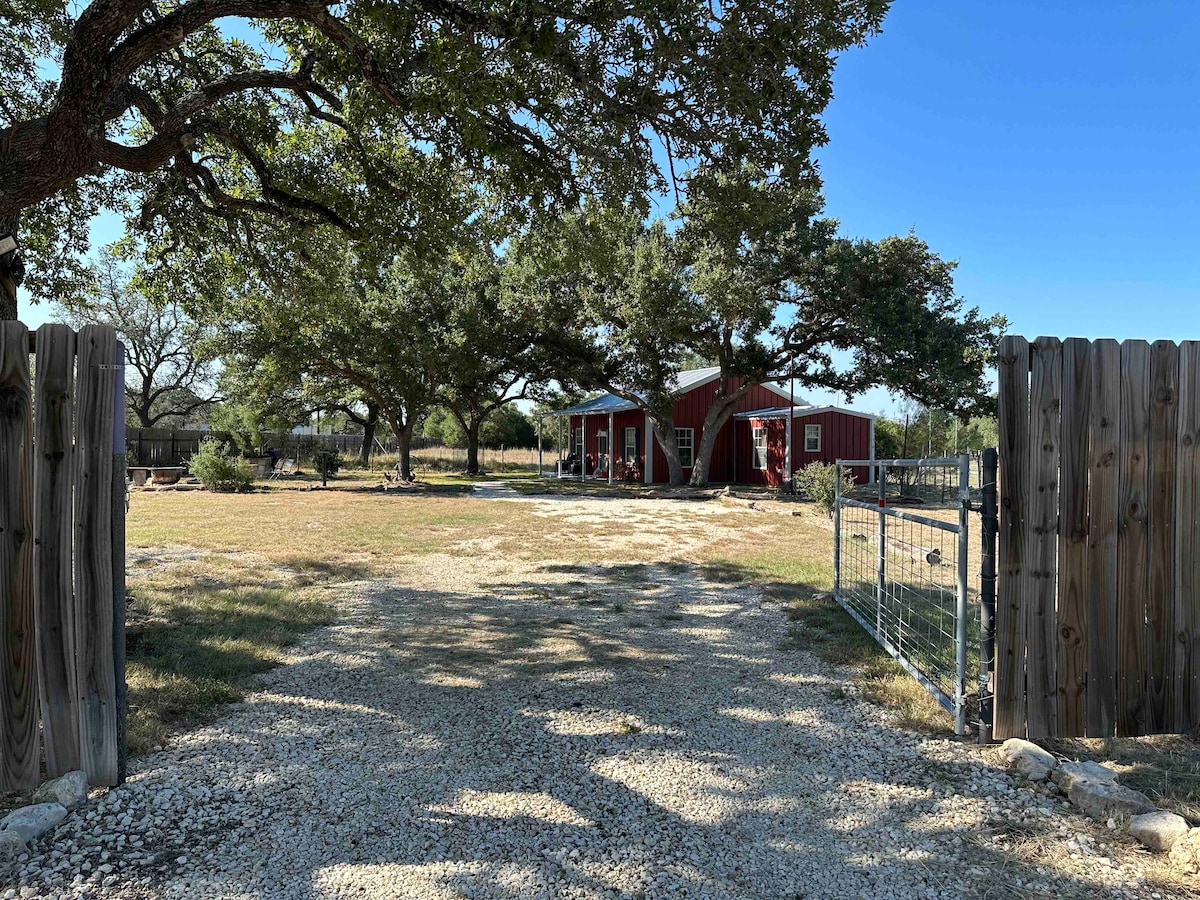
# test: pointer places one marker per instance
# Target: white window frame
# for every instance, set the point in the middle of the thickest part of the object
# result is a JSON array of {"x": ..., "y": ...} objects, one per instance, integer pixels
[
  {"x": 686, "y": 437},
  {"x": 812, "y": 433},
  {"x": 757, "y": 432},
  {"x": 631, "y": 443},
  {"x": 579, "y": 448}
]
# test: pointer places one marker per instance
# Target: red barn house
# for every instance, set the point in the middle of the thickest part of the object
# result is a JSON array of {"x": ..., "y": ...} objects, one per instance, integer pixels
[{"x": 752, "y": 447}]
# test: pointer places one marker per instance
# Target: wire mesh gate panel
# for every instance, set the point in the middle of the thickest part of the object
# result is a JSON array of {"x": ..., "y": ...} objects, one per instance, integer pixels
[{"x": 901, "y": 570}]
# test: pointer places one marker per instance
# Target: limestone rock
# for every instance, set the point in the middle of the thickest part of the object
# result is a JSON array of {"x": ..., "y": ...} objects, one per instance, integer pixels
[
  {"x": 1102, "y": 800},
  {"x": 31, "y": 822},
  {"x": 1158, "y": 830},
  {"x": 11, "y": 846},
  {"x": 1185, "y": 854},
  {"x": 1028, "y": 759},
  {"x": 1069, "y": 773},
  {"x": 71, "y": 790}
]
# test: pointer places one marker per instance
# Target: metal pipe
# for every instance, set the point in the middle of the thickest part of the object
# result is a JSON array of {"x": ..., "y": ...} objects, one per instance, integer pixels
[
  {"x": 881, "y": 574},
  {"x": 912, "y": 463},
  {"x": 987, "y": 594},
  {"x": 964, "y": 552},
  {"x": 900, "y": 514},
  {"x": 837, "y": 531}
]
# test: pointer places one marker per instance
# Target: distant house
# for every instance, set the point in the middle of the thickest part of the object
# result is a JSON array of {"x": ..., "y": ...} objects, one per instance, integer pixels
[{"x": 752, "y": 447}]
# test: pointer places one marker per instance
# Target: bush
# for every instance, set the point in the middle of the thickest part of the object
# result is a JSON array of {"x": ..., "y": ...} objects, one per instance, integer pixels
[
  {"x": 818, "y": 482},
  {"x": 327, "y": 460},
  {"x": 218, "y": 470}
]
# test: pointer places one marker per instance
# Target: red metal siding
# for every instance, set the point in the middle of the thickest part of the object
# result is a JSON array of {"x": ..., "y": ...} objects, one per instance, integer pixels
[{"x": 842, "y": 437}]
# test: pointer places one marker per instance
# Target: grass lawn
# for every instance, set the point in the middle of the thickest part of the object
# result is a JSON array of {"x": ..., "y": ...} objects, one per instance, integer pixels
[{"x": 196, "y": 632}]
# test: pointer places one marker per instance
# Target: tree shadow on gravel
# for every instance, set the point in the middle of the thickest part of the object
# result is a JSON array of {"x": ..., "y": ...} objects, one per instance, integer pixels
[{"x": 521, "y": 742}]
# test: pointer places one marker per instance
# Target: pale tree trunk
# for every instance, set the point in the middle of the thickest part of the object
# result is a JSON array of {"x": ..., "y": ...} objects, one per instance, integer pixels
[
  {"x": 714, "y": 420},
  {"x": 665, "y": 429},
  {"x": 12, "y": 271}
]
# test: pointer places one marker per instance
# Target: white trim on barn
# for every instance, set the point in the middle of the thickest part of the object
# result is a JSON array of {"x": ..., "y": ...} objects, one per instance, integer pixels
[{"x": 649, "y": 475}]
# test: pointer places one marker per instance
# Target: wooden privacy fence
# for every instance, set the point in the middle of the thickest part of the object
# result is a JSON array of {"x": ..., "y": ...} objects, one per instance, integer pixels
[
  {"x": 1098, "y": 602},
  {"x": 62, "y": 549}
]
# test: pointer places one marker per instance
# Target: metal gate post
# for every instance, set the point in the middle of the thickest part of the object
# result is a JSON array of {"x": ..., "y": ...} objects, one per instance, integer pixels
[
  {"x": 987, "y": 594},
  {"x": 960, "y": 673},
  {"x": 837, "y": 529},
  {"x": 881, "y": 574}
]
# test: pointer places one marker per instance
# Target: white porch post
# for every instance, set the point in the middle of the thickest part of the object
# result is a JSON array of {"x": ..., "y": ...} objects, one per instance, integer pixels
[
  {"x": 872, "y": 469},
  {"x": 539, "y": 446},
  {"x": 649, "y": 476},
  {"x": 609, "y": 464}
]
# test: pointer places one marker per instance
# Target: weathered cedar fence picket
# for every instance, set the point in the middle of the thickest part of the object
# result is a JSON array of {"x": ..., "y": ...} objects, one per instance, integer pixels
[
  {"x": 1098, "y": 607},
  {"x": 62, "y": 554}
]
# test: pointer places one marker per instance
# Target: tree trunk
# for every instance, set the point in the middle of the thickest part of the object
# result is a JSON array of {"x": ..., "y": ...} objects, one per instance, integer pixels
[
  {"x": 665, "y": 429},
  {"x": 12, "y": 272},
  {"x": 472, "y": 432},
  {"x": 715, "y": 417},
  {"x": 404, "y": 433},
  {"x": 714, "y": 420},
  {"x": 404, "y": 449},
  {"x": 368, "y": 440}
]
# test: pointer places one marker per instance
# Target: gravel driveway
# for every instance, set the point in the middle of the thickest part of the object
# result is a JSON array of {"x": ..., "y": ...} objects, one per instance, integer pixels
[{"x": 476, "y": 728}]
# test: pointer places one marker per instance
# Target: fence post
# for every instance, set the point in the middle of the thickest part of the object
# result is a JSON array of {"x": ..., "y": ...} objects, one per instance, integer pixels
[
  {"x": 837, "y": 530},
  {"x": 987, "y": 583},
  {"x": 960, "y": 661},
  {"x": 881, "y": 574},
  {"x": 119, "y": 499}
]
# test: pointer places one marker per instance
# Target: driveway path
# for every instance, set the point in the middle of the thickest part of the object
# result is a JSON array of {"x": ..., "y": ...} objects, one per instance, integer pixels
[{"x": 483, "y": 729}]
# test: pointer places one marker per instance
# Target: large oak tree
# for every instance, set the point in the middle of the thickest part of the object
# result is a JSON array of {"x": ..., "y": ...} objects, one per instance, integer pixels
[
  {"x": 170, "y": 109},
  {"x": 754, "y": 281}
]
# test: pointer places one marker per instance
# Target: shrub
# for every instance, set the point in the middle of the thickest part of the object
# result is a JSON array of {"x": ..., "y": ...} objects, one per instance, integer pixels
[
  {"x": 218, "y": 470},
  {"x": 327, "y": 460},
  {"x": 818, "y": 482}
]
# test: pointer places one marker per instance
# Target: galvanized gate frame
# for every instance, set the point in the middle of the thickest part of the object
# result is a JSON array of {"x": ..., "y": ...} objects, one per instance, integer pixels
[{"x": 958, "y": 703}]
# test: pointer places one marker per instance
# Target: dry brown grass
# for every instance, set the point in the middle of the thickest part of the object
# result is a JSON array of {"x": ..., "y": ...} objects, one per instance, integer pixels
[{"x": 1164, "y": 767}]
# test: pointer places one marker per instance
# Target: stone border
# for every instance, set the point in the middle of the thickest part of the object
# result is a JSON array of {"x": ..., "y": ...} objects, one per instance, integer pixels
[
  {"x": 51, "y": 803},
  {"x": 1094, "y": 790}
]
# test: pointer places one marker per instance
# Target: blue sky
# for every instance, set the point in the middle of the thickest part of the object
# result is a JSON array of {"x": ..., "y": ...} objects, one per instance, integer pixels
[{"x": 1051, "y": 148}]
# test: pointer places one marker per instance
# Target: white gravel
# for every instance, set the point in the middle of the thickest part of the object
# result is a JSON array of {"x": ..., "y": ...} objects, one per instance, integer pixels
[{"x": 483, "y": 730}]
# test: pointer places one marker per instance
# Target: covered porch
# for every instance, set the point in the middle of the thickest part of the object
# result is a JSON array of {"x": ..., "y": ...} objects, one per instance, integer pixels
[{"x": 606, "y": 439}]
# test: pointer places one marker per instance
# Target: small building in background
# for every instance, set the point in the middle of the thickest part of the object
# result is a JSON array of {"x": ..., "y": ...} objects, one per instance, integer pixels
[{"x": 751, "y": 448}]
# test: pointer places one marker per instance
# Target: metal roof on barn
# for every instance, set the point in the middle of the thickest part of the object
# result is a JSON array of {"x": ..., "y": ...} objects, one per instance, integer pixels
[
  {"x": 798, "y": 412},
  {"x": 605, "y": 403},
  {"x": 684, "y": 382}
]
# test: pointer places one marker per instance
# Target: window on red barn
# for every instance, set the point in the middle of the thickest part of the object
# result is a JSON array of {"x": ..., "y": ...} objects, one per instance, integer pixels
[
  {"x": 759, "y": 438},
  {"x": 631, "y": 444},
  {"x": 685, "y": 439},
  {"x": 812, "y": 438}
]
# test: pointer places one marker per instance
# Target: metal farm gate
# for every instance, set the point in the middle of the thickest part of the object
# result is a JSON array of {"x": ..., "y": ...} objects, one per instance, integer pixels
[{"x": 901, "y": 570}]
